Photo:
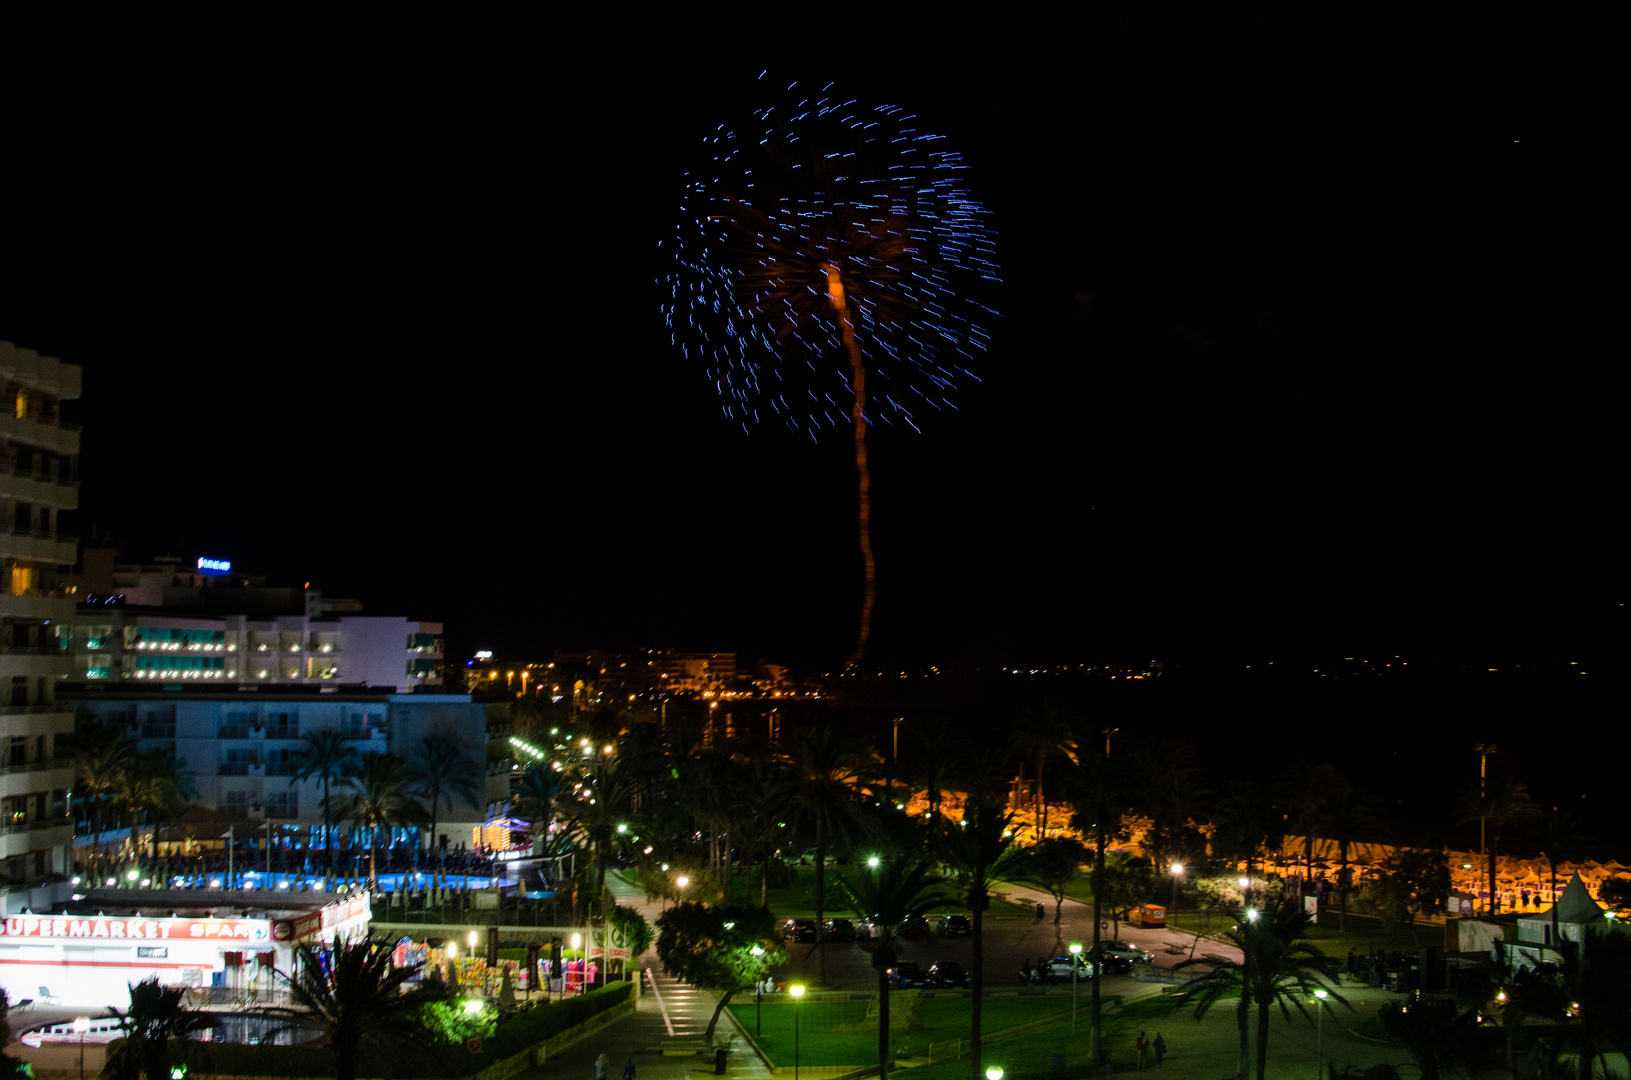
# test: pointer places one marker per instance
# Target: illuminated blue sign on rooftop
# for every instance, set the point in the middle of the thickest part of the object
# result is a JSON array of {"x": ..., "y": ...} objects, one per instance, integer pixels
[{"x": 214, "y": 566}]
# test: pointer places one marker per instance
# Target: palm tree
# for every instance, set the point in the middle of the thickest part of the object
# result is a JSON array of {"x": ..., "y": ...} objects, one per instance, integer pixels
[
  {"x": 101, "y": 755},
  {"x": 442, "y": 770},
  {"x": 931, "y": 765},
  {"x": 1223, "y": 979},
  {"x": 1440, "y": 1036},
  {"x": 156, "y": 1016},
  {"x": 327, "y": 755},
  {"x": 1349, "y": 814},
  {"x": 150, "y": 783},
  {"x": 855, "y": 228},
  {"x": 1596, "y": 980},
  {"x": 819, "y": 799},
  {"x": 1499, "y": 802},
  {"x": 979, "y": 849},
  {"x": 1095, "y": 788},
  {"x": 1047, "y": 734},
  {"x": 380, "y": 797},
  {"x": 1303, "y": 792},
  {"x": 535, "y": 796},
  {"x": 1171, "y": 798},
  {"x": 895, "y": 890},
  {"x": 358, "y": 998},
  {"x": 601, "y": 805},
  {"x": 1559, "y": 838},
  {"x": 1241, "y": 823},
  {"x": 1282, "y": 969}
]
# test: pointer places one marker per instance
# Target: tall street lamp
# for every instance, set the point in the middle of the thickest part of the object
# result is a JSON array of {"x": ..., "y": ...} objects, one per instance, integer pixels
[
  {"x": 82, "y": 1024},
  {"x": 758, "y": 999},
  {"x": 1319, "y": 1000},
  {"x": 1177, "y": 869},
  {"x": 1075, "y": 963},
  {"x": 797, "y": 991}
]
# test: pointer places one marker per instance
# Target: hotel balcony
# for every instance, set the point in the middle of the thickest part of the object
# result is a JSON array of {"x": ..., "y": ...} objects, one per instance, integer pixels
[
  {"x": 22, "y": 837},
  {"x": 36, "y": 776},
  {"x": 24, "y": 484},
  {"x": 46, "y": 432},
  {"x": 26, "y": 544}
]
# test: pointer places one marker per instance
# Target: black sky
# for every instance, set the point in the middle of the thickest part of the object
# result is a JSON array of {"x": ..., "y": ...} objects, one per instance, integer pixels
[{"x": 1282, "y": 363}]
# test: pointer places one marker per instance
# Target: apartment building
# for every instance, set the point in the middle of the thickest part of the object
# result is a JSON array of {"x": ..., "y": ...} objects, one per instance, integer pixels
[
  {"x": 38, "y": 483},
  {"x": 240, "y": 741}
]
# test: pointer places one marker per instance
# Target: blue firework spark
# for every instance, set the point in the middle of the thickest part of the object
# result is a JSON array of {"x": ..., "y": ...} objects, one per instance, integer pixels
[{"x": 815, "y": 188}]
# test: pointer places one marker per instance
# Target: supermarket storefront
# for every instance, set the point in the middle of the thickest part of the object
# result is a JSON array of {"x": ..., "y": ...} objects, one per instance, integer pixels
[{"x": 92, "y": 960}]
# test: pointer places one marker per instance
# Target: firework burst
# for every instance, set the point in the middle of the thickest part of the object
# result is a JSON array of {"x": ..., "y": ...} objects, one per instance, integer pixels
[
  {"x": 828, "y": 241},
  {"x": 824, "y": 191}
]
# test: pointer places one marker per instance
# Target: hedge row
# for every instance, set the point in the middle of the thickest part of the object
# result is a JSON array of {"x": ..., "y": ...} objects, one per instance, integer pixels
[{"x": 403, "y": 1060}]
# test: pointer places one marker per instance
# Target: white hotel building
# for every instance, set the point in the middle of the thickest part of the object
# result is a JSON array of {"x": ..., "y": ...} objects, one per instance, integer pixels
[{"x": 38, "y": 483}]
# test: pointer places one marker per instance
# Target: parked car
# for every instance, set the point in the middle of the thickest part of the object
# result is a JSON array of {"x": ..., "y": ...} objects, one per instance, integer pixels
[
  {"x": 915, "y": 926},
  {"x": 1061, "y": 967},
  {"x": 1115, "y": 964},
  {"x": 839, "y": 930},
  {"x": 906, "y": 975},
  {"x": 799, "y": 930},
  {"x": 947, "y": 973},
  {"x": 1129, "y": 951},
  {"x": 955, "y": 926}
]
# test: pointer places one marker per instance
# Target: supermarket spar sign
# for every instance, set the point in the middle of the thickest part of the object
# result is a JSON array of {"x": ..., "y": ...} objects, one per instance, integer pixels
[{"x": 36, "y": 927}]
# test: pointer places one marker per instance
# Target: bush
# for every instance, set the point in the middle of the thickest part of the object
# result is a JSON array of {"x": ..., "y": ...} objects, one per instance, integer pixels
[{"x": 517, "y": 1032}]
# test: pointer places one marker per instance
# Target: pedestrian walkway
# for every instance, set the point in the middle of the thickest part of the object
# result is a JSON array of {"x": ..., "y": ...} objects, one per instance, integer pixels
[{"x": 664, "y": 1036}]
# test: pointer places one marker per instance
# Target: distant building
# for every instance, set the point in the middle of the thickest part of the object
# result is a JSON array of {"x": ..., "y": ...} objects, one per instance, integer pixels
[
  {"x": 39, "y": 453},
  {"x": 240, "y": 742},
  {"x": 171, "y": 623}
]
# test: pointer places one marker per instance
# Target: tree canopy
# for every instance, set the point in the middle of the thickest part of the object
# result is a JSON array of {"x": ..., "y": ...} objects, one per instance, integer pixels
[{"x": 724, "y": 947}]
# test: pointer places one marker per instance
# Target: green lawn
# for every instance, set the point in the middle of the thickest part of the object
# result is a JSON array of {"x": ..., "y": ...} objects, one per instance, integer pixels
[
  {"x": 945, "y": 1017},
  {"x": 1029, "y": 1055}
]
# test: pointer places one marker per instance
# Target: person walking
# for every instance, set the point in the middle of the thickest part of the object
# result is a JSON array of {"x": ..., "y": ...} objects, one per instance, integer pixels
[
  {"x": 1160, "y": 1045},
  {"x": 628, "y": 1069},
  {"x": 1143, "y": 1045},
  {"x": 600, "y": 1067}
]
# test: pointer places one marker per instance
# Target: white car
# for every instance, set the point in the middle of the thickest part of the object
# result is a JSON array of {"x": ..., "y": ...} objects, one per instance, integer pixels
[{"x": 1061, "y": 965}]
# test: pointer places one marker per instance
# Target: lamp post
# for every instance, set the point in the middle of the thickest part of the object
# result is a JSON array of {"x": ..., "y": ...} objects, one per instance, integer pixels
[
  {"x": 1177, "y": 869},
  {"x": 583, "y": 968},
  {"x": 994, "y": 1073},
  {"x": 798, "y": 992},
  {"x": 1319, "y": 1000},
  {"x": 82, "y": 1024},
  {"x": 1075, "y": 963},
  {"x": 758, "y": 999}
]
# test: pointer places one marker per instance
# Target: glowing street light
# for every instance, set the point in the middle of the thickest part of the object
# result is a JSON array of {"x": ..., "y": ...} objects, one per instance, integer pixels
[
  {"x": 1075, "y": 962},
  {"x": 1177, "y": 869},
  {"x": 758, "y": 998},
  {"x": 994, "y": 1073},
  {"x": 797, "y": 990},
  {"x": 1319, "y": 1039}
]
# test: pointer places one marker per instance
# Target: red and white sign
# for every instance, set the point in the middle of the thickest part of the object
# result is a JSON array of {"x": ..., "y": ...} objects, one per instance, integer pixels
[
  {"x": 68, "y": 927},
  {"x": 336, "y": 918}
]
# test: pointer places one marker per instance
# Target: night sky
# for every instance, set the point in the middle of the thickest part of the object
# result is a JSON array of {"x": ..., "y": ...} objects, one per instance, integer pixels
[{"x": 1293, "y": 351}]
